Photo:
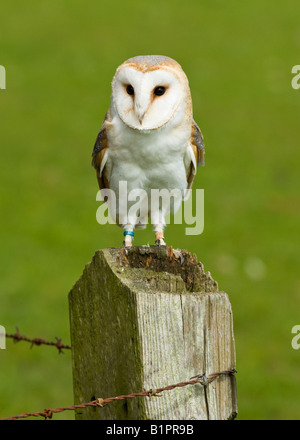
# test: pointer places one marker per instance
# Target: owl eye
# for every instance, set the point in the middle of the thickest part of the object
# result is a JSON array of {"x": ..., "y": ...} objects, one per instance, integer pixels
[
  {"x": 130, "y": 90},
  {"x": 159, "y": 91}
]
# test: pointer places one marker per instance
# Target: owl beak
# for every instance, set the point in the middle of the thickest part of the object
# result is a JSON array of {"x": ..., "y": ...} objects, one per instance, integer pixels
[
  {"x": 141, "y": 117},
  {"x": 140, "y": 111}
]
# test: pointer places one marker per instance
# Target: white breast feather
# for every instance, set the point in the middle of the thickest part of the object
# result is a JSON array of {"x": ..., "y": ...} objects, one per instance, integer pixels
[{"x": 148, "y": 160}]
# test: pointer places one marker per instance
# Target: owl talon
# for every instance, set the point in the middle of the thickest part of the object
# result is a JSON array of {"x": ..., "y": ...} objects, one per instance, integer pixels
[{"x": 160, "y": 242}]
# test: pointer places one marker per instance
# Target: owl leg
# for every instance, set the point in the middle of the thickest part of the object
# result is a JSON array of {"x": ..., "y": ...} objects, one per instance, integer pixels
[
  {"x": 128, "y": 235},
  {"x": 159, "y": 235}
]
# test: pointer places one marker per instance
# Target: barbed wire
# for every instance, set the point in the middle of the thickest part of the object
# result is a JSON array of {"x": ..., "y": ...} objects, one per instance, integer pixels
[
  {"x": 17, "y": 337},
  {"x": 203, "y": 380},
  {"x": 47, "y": 413}
]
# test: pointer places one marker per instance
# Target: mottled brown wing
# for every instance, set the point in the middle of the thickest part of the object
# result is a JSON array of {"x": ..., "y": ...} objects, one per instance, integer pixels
[
  {"x": 99, "y": 154},
  {"x": 197, "y": 145}
]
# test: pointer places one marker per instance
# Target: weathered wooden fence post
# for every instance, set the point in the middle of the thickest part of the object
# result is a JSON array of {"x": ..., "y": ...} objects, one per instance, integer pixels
[{"x": 143, "y": 319}]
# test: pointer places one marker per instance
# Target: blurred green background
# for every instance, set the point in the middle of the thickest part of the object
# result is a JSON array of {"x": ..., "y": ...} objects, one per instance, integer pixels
[{"x": 60, "y": 57}]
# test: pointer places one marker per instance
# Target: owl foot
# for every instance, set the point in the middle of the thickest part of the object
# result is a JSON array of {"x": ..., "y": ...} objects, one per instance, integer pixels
[
  {"x": 129, "y": 235},
  {"x": 159, "y": 239}
]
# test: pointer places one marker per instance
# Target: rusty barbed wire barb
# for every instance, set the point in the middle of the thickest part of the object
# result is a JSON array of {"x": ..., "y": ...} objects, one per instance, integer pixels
[
  {"x": 205, "y": 380},
  {"x": 153, "y": 393},
  {"x": 17, "y": 337},
  {"x": 100, "y": 402}
]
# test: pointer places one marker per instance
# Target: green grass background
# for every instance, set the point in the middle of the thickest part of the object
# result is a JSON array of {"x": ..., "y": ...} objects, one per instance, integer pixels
[{"x": 60, "y": 57}]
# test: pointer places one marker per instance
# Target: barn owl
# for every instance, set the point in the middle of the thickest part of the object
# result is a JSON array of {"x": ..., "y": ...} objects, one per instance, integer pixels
[{"x": 148, "y": 139}]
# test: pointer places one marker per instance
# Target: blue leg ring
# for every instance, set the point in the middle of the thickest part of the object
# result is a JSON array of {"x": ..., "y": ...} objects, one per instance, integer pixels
[{"x": 129, "y": 233}]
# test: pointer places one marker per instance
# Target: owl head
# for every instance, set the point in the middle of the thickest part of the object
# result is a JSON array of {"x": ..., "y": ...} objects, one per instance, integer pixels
[{"x": 148, "y": 90}]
